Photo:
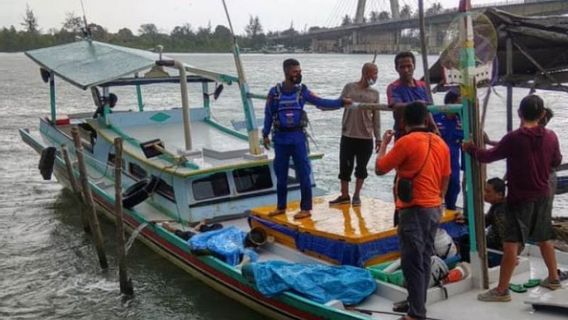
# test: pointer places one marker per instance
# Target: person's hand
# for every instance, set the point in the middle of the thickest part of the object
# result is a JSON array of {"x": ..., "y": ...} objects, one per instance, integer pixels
[
  {"x": 459, "y": 218},
  {"x": 347, "y": 102},
  {"x": 467, "y": 145},
  {"x": 377, "y": 145},
  {"x": 387, "y": 137},
  {"x": 266, "y": 143}
]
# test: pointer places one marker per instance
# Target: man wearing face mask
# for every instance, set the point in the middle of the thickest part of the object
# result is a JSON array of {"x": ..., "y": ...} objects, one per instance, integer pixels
[
  {"x": 357, "y": 131},
  {"x": 284, "y": 115}
]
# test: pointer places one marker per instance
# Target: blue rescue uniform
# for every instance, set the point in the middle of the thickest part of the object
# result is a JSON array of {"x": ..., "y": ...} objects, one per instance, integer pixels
[
  {"x": 450, "y": 127},
  {"x": 284, "y": 115}
]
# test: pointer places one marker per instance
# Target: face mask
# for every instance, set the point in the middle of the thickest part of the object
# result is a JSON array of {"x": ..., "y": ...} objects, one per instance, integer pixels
[
  {"x": 296, "y": 80},
  {"x": 371, "y": 82}
]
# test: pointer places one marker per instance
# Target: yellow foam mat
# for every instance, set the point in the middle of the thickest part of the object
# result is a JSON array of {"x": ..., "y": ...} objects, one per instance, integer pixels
[{"x": 371, "y": 221}]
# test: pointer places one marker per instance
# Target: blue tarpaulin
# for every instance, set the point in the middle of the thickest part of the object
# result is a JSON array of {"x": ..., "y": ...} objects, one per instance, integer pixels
[
  {"x": 226, "y": 244},
  {"x": 317, "y": 282}
]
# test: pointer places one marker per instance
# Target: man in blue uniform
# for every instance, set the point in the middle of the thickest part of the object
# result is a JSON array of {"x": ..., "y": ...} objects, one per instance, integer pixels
[
  {"x": 451, "y": 131},
  {"x": 284, "y": 115}
]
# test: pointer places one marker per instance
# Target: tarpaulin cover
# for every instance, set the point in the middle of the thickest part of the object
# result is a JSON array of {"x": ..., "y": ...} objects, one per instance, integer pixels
[
  {"x": 349, "y": 253},
  {"x": 317, "y": 282},
  {"x": 226, "y": 244}
]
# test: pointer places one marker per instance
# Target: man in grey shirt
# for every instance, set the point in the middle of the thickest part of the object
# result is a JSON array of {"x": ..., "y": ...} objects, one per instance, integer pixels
[{"x": 357, "y": 131}]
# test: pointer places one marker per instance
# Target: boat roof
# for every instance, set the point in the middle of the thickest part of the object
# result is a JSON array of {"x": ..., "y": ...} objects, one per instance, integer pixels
[{"x": 89, "y": 63}]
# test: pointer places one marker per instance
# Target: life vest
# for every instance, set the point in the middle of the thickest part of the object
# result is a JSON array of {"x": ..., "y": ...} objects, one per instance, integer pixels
[{"x": 289, "y": 115}]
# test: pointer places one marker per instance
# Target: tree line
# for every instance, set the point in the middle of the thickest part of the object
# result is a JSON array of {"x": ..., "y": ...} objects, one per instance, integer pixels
[{"x": 182, "y": 38}]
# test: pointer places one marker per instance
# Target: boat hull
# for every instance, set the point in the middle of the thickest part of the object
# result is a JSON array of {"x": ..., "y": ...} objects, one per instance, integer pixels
[{"x": 213, "y": 272}]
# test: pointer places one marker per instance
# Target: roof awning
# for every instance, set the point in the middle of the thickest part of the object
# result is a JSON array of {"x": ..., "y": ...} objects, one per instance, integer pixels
[
  {"x": 539, "y": 53},
  {"x": 90, "y": 63}
]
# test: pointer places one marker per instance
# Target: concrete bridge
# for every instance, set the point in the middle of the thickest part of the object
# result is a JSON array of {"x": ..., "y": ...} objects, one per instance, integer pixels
[{"x": 402, "y": 34}]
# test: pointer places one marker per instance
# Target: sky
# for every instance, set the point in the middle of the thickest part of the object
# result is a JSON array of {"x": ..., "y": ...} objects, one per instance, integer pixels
[{"x": 166, "y": 14}]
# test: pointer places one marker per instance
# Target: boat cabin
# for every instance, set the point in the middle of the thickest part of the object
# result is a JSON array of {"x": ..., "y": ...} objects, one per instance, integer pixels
[{"x": 198, "y": 168}]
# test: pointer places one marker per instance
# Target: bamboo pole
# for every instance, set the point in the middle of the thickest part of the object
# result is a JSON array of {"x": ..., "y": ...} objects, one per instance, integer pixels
[
  {"x": 75, "y": 187},
  {"x": 93, "y": 219},
  {"x": 125, "y": 282},
  {"x": 424, "y": 49},
  {"x": 509, "y": 61},
  {"x": 478, "y": 186}
]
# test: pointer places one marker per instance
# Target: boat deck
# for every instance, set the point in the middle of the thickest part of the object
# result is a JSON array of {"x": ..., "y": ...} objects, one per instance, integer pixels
[
  {"x": 355, "y": 224},
  {"x": 458, "y": 306}
]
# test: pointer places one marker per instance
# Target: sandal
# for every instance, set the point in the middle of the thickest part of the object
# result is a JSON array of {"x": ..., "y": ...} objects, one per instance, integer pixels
[
  {"x": 302, "y": 215},
  {"x": 531, "y": 283},
  {"x": 276, "y": 212},
  {"x": 518, "y": 288}
]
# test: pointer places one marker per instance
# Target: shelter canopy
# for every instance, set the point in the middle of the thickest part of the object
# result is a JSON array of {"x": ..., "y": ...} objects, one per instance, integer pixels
[
  {"x": 539, "y": 51},
  {"x": 89, "y": 63}
]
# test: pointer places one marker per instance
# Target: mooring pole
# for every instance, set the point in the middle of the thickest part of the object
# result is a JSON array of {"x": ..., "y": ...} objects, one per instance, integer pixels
[
  {"x": 125, "y": 283},
  {"x": 93, "y": 219},
  {"x": 75, "y": 187}
]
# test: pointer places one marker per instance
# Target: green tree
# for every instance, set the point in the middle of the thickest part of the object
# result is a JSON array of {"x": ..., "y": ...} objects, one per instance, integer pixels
[
  {"x": 346, "y": 20},
  {"x": 384, "y": 16},
  {"x": 254, "y": 28},
  {"x": 373, "y": 16},
  {"x": 124, "y": 35},
  {"x": 98, "y": 32},
  {"x": 255, "y": 36},
  {"x": 148, "y": 29},
  {"x": 405, "y": 12},
  {"x": 72, "y": 23},
  {"x": 30, "y": 21},
  {"x": 182, "y": 32},
  {"x": 435, "y": 9}
]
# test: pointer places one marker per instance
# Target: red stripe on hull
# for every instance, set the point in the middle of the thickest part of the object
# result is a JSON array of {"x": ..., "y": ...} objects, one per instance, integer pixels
[{"x": 211, "y": 272}]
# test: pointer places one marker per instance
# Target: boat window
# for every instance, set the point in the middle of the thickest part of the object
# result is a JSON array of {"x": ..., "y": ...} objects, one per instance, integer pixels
[
  {"x": 137, "y": 171},
  {"x": 166, "y": 190},
  {"x": 213, "y": 186},
  {"x": 252, "y": 179}
]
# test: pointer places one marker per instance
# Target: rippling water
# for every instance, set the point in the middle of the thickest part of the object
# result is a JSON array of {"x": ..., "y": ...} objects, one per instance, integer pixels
[{"x": 49, "y": 268}]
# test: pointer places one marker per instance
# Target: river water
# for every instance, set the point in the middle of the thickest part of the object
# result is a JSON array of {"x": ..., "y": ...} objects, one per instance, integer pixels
[{"x": 48, "y": 266}]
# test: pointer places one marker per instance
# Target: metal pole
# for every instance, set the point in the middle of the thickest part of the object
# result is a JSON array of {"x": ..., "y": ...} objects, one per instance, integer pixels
[
  {"x": 125, "y": 282},
  {"x": 252, "y": 128},
  {"x": 206, "y": 99},
  {"x": 509, "y": 55},
  {"x": 424, "y": 49},
  {"x": 139, "y": 95},
  {"x": 93, "y": 219},
  {"x": 52, "y": 97},
  {"x": 75, "y": 187},
  {"x": 184, "y": 104}
]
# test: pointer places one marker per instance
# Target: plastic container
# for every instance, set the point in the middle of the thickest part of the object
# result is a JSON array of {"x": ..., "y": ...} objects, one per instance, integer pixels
[
  {"x": 396, "y": 277},
  {"x": 461, "y": 271}
]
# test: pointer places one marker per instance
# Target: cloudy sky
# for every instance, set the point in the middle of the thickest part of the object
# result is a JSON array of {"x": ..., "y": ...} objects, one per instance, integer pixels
[{"x": 166, "y": 14}]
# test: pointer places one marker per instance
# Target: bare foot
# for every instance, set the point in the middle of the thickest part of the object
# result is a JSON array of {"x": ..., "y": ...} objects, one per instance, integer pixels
[
  {"x": 302, "y": 214},
  {"x": 168, "y": 227},
  {"x": 276, "y": 212}
]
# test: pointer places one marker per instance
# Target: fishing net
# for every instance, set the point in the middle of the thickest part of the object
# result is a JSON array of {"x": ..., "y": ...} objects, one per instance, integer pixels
[{"x": 485, "y": 45}]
